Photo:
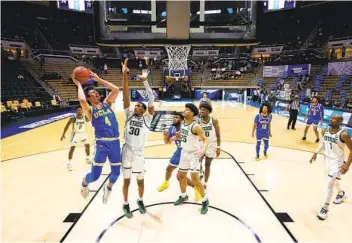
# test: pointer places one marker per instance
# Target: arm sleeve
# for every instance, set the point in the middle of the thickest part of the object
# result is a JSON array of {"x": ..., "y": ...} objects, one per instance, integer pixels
[{"x": 150, "y": 94}]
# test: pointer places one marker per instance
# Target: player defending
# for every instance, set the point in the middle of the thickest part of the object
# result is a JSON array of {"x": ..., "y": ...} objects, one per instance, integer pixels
[
  {"x": 79, "y": 135},
  {"x": 169, "y": 137},
  {"x": 334, "y": 140},
  {"x": 211, "y": 129},
  {"x": 106, "y": 134},
  {"x": 315, "y": 114},
  {"x": 190, "y": 133},
  {"x": 137, "y": 126},
  {"x": 262, "y": 123}
]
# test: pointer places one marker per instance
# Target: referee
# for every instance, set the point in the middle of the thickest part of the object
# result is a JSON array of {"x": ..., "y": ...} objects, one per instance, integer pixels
[{"x": 294, "y": 106}]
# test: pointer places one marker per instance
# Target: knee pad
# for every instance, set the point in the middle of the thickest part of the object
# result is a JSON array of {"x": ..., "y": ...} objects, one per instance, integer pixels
[{"x": 140, "y": 176}]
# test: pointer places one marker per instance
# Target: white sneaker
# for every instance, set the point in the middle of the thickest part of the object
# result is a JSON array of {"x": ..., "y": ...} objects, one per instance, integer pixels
[
  {"x": 88, "y": 161},
  {"x": 85, "y": 191},
  {"x": 340, "y": 197},
  {"x": 323, "y": 214},
  {"x": 106, "y": 194},
  {"x": 69, "y": 167}
]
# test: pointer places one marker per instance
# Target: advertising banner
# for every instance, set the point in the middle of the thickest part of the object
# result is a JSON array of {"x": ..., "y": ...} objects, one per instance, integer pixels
[
  {"x": 339, "y": 68},
  {"x": 141, "y": 95},
  {"x": 273, "y": 71},
  {"x": 213, "y": 94},
  {"x": 297, "y": 69}
]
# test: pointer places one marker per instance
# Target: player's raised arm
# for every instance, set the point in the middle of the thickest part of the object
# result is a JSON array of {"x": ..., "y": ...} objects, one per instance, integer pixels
[
  {"x": 347, "y": 140},
  {"x": 197, "y": 129},
  {"x": 144, "y": 78},
  {"x": 126, "y": 90},
  {"x": 69, "y": 122},
  {"x": 82, "y": 99},
  {"x": 114, "y": 89}
]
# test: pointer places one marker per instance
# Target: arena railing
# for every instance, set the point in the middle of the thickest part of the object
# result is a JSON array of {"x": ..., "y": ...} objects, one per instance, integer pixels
[
  {"x": 84, "y": 46},
  {"x": 341, "y": 38}
]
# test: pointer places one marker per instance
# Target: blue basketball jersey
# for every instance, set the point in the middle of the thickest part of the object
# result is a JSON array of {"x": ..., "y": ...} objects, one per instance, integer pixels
[
  {"x": 262, "y": 123},
  {"x": 104, "y": 122},
  {"x": 316, "y": 112},
  {"x": 172, "y": 133}
]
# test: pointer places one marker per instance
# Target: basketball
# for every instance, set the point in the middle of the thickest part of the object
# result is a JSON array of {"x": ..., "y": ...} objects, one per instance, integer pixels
[{"x": 81, "y": 74}]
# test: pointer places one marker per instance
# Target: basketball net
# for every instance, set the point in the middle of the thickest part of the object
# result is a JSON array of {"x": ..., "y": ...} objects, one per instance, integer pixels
[{"x": 178, "y": 56}]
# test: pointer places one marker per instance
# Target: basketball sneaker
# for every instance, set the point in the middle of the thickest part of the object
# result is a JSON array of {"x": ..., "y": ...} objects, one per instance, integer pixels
[
  {"x": 265, "y": 155},
  {"x": 127, "y": 211},
  {"x": 323, "y": 214},
  {"x": 205, "y": 206},
  {"x": 340, "y": 197},
  {"x": 257, "y": 158},
  {"x": 201, "y": 175},
  {"x": 163, "y": 186},
  {"x": 181, "y": 200},
  {"x": 317, "y": 140},
  {"x": 141, "y": 206},
  {"x": 85, "y": 191},
  {"x": 88, "y": 161},
  {"x": 197, "y": 197},
  {"x": 69, "y": 166},
  {"x": 106, "y": 194},
  {"x": 304, "y": 138}
]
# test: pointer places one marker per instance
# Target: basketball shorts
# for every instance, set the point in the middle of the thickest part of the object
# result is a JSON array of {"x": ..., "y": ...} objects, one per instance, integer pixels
[
  {"x": 175, "y": 159},
  {"x": 189, "y": 161},
  {"x": 262, "y": 136},
  {"x": 107, "y": 149},
  {"x": 209, "y": 153},
  {"x": 132, "y": 162},
  {"x": 333, "y": 167},
  {"x": 313, "y": 122},
  {"x": 77, "y": 138}
]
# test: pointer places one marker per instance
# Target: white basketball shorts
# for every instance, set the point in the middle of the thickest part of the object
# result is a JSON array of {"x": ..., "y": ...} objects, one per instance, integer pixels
[
  {"x": 132, "y": 162},
  {"x": 189, "y": 161},
  {"x": 333, "y": 167},
  {"x": 210, "y": 152},
  {"x": 77, "y": 138}
]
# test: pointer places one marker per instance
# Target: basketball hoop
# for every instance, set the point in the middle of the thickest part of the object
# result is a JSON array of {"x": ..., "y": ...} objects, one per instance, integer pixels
[{"x": 178, "y": 56}]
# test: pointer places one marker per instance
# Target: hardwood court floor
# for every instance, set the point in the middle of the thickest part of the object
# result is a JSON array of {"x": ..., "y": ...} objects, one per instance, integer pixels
[{"x": 38, "y": 192}]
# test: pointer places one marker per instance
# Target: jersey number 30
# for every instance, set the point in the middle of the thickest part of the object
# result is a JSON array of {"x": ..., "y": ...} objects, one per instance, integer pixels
[{"x": 134, "y": 131}]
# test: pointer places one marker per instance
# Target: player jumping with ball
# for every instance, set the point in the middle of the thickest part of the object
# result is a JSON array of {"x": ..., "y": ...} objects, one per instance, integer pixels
[{"x": 106, "y": 129}]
